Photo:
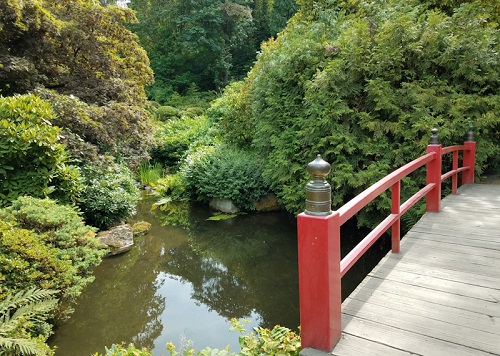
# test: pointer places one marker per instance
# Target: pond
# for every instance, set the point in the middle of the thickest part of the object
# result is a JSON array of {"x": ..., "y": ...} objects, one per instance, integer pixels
[{"x": 186, "y": 283}]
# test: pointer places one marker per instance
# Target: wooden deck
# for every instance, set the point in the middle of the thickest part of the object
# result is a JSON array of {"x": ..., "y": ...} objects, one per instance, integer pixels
[{"x": 441, "y": 294}]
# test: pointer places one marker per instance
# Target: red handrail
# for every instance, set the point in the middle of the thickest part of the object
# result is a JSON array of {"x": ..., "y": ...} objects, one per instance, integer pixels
[{"x": 320, "y": 265}]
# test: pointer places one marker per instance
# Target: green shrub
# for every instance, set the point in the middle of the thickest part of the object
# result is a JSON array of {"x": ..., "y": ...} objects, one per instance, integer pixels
[
  {"x": 33, "y": 161},
  {"x": 193, "y": 111},
  {"x": 174, "y": 137},
  {"x": 226, "y": 173},
  {"x": 110, "y": 195},
  {"x": 165, "y": 113},
  {"x": 46, "y": 245}
]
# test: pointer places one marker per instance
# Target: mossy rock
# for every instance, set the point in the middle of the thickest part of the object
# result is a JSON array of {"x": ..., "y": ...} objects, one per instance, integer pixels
[{"x": 140, "y": 228}]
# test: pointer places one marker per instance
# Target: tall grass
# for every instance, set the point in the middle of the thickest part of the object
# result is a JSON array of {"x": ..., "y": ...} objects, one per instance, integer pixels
[{"x": 150, "y": 173}]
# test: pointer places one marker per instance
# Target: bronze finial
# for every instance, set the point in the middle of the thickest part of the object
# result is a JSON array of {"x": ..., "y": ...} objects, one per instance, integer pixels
[
  {"x": 470, "y": 133},
  {"x": 318, "y": 191},
  {"x": 434, "y": 137}
]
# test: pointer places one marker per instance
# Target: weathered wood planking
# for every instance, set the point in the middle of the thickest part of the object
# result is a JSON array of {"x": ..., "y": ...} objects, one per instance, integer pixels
[{"x": 441, "y": 294}]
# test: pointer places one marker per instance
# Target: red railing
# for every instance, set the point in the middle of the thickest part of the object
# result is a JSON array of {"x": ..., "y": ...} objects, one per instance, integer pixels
[{"x": 320, "y": 265}]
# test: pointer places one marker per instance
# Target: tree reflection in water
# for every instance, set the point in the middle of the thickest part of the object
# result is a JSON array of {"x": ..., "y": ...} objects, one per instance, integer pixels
[{"x": 189, "y": 281}]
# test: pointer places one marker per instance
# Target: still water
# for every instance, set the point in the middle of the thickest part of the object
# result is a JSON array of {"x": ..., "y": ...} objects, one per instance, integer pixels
[{"x": 185, "y": 283}]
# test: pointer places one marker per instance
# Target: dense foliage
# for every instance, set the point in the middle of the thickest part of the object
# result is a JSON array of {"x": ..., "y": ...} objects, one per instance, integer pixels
[
  {"x": 363, "y": 83},
  {"x": 218, "y": 172},
  {"x": 175, "y": 136},
  {"x": 80, "y": 49},
  {"x": 206, "y": 43},
  {"x": 33, "y": 161},
  {"x": 109, "y": 195},
  {"x": 46, "y": 245}
]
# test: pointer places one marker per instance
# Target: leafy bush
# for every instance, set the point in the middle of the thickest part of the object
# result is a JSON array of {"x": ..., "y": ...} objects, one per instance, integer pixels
[
  {"x": 22, "y": 322},
  {"x": 175, "y": 136},
  {"x": 46, "y": 245},
  {"x": 364, "y": 88},
  {"x": 225, "y": 173},
  {"x": 110, "y": 195},
  {"x": 193, "y": 111},
  {"x": 33, "y": 161},
  {"x": 165, "y": 113}
]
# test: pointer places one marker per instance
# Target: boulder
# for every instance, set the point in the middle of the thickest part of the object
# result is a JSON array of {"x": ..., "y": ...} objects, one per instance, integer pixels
[
  {"x": 268, "y": 202},
  {"x": 224, "y": 205},
  {"x": 119, "y": 239}
]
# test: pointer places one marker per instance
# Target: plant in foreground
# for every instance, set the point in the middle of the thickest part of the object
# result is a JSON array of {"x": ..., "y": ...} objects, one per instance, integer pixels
[
  {"x": 22, "y": 322},
  {"x": 279, "y": 341}
]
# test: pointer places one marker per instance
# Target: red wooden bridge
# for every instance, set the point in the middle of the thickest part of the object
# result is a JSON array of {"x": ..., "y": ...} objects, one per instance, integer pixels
[{"x": 438, "y": 293}]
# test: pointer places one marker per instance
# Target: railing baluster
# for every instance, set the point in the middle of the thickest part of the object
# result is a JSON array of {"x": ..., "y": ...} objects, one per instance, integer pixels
[
  {"x": 396, "y": 209},
  {"x": 454, "y": 177},
  {"x": 433, "y": 201},
  {"x": 469, "y": 157}
]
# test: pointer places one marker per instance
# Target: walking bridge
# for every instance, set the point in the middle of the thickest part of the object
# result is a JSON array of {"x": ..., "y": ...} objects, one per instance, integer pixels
[{"x": 438, "y": 293}]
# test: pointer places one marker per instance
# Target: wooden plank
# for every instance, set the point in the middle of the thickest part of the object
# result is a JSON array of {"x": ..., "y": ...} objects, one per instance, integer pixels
[
  {"x": 457, "y": 245},
  {"x": 447, "y": 237},
  {"x": 462, "y": 220},
  {"x": 445, "y": 231},
  {"x": 433, "y": 296},
  {"x": 400, "y": 339},
  {"x": 453, "y": 287},
  {"x": 451, "y": 275},
  {"x": 409, "y": 321},
  {"x": 479, "y": 258},
  {"x": 352, "y": 345},
  {"x": 424, "y": 308},
  {"x": 453, "y": 264}
]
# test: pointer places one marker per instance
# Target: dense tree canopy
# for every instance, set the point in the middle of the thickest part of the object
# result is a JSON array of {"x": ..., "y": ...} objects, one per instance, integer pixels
[
  {"x": 77, "y": 48},
  {"x": 363, "y": 83},
  {"x": 207, "y": 42}
]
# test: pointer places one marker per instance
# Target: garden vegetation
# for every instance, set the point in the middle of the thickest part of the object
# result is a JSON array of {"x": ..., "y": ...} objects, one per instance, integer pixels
[{"x": 361, "y": 82}]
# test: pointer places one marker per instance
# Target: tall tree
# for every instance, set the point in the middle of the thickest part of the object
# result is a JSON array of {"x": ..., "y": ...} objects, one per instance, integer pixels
[
  {"x": 77, "y": 48},
  {"x": 207, "y": 42}
]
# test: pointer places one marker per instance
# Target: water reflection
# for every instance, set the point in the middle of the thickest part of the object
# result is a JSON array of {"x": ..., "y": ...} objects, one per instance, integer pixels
[{"x": 185, "y": 283}]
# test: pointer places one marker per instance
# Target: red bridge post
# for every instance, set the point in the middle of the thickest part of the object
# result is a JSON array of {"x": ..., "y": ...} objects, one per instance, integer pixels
[
  {"x": 434, "y": 170},
  {"x": 319, "y": 264},
  {"x": 469, "y": 157}
]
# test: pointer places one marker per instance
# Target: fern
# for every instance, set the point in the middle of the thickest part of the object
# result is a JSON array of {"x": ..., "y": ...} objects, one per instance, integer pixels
[
  {"x": 19, "y": 346},
  {"x": 17, "y": 312}
]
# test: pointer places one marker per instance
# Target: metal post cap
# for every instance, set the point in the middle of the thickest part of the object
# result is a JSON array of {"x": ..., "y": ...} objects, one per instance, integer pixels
[
  {"x": 470, "y": 133},
  {"x": 318, "y": 191},
  {"x": 434, "y": 137},
  {"x": 319, "y": 168}
]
